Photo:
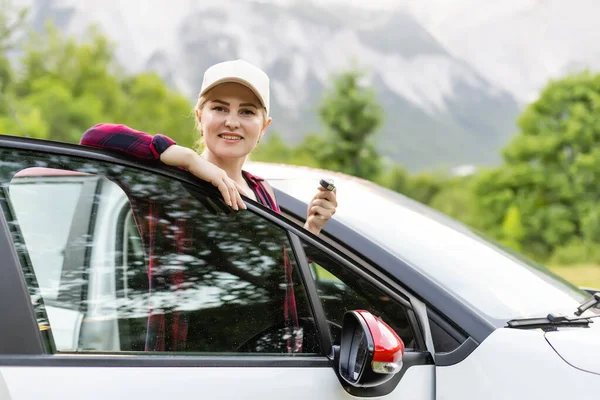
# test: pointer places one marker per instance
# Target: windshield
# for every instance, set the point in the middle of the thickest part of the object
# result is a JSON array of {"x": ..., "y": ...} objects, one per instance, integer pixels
[{"x": 500, "y": 284}]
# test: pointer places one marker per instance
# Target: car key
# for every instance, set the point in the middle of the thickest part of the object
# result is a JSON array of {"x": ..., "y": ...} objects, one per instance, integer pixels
[{"x": 327, "y": 184}]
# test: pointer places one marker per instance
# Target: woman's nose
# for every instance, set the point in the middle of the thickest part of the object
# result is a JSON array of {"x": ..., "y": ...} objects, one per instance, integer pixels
[{"x": 231, "y": 122}]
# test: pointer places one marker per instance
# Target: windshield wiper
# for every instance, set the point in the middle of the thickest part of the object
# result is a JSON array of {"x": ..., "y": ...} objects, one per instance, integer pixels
[
  {"x": 554, "y": 320},
  {"x": 586, "y": 305},
  {"x": 550, "y": 321}
]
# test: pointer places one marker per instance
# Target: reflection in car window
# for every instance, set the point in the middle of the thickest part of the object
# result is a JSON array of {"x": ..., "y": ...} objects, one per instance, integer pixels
[
  {"x": 342, "y": 290},
  {"x": 47, "y": 231},
  {"x": 158, "y": 268}
]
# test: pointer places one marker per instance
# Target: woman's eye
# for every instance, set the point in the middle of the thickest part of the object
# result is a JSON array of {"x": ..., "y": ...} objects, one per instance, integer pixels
[
  {"x": 218, "y": 108},
  {"x": 248, "y": 112}
]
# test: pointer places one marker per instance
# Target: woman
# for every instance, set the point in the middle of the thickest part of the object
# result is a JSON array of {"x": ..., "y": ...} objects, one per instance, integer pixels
[{"x": 232, "y": 116}]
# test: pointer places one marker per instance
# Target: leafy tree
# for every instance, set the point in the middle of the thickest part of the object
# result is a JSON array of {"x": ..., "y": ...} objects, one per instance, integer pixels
[
  {"x": 455, "y": 197},
  {"x": 551, "y": 169},
  {"x": 65, "y": 85},
  {"x": 512, "y": 228},
  {"x": 423, "y": 187},
  {"x": 11, "y": 22},
  {"x": 275, "y": 150},
  {"x": 151, "y": 106},
  {"x": 351, "y": 115},
  {"x": 396, "y": 178}
]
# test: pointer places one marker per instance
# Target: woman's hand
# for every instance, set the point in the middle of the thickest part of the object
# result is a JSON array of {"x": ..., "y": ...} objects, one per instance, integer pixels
[
  {"x": 179, "y": 156},
  {"x": 209, "y": 172},
  {"x": 321, "y": 209}
]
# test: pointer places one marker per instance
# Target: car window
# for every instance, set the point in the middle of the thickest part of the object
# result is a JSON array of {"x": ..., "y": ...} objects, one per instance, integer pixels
[
  {"x": 340, "y": 289},
  {"x": 138, "y": 262},
  {"x": 443, "y": 341}
]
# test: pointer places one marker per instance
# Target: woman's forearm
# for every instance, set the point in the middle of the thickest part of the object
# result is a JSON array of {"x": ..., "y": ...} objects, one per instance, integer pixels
[{"x": 178, "y": 156}]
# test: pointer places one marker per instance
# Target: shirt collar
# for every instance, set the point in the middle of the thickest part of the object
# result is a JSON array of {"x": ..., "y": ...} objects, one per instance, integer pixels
[{"x": 253, "y": 178}]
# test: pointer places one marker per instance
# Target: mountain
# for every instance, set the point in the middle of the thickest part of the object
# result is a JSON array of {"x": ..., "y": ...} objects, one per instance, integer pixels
[
  {"x": 516, "y": 44},
  {"x": 440, "y": 112}
]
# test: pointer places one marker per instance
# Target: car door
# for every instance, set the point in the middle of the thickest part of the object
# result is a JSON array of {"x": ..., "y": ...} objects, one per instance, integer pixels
[{"x": 170, "y": 292}]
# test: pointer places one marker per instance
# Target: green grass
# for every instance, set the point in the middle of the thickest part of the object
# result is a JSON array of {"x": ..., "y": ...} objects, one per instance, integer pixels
[{"x": 582, "y": 275}]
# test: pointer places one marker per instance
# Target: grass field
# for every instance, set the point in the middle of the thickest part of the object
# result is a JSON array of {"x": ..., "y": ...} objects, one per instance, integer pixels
[{"x": 581, "y": 275}]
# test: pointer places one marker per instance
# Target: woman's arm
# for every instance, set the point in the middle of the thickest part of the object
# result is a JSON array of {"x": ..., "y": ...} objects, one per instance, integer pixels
[{"x": 160, "y": 147}]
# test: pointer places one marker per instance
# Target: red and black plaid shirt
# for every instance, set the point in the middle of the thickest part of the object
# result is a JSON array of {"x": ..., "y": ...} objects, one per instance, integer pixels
[{"x": 147, "y": 147}]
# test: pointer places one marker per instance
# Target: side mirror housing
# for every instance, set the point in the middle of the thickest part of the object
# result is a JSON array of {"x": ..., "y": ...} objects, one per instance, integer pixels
[{"x": 370, "y": 352}]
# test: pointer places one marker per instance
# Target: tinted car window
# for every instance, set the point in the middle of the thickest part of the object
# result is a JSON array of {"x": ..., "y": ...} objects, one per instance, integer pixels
[
  {"x": 150, "y": 264},
  {"x": 340, "y": 290},
  {"x": 443, "y": 342}
]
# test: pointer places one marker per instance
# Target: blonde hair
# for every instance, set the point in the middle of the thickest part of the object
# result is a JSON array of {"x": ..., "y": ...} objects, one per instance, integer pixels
[{"x": 202, "y": 100}]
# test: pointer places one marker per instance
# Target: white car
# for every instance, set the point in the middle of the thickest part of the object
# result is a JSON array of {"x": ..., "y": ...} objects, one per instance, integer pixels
[{"x": 129, "y": 279}]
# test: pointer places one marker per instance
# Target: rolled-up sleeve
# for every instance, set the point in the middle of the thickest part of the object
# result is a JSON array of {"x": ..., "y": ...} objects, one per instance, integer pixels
[{"x": 127, "y": 140}]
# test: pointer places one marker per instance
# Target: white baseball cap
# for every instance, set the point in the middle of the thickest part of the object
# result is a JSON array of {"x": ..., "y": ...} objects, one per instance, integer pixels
[{"x": 238, "y": 71}]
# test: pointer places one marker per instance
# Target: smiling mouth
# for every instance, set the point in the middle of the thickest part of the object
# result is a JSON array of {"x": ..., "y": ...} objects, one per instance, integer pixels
[{"x": 230, "y": 137}]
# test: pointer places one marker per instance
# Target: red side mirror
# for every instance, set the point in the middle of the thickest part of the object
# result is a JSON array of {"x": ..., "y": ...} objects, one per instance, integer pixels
[
  {"x": 389, "y": 348},
  {"x": 370, "y": 351}
]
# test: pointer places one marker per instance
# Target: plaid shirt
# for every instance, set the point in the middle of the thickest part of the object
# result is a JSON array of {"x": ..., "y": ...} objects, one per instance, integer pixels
[{"x": 147, "y": 147}]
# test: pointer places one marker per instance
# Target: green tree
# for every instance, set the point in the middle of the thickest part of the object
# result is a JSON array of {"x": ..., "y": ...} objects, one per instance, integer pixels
[
  {"x": 275, "y": 150},
  {"x": 351, "y": 115},
  {"x": 65, "y": 85},
  {"x": 151, "y": 106},
  {"x": 512, "y": 228},
  {"x": 551, "y": 169},
  {"x": 11, "y": 24},
  {"x": 396, "y": 178},
  {"x": 455, "y": 197},
  {"x": 424, "y": 187}
]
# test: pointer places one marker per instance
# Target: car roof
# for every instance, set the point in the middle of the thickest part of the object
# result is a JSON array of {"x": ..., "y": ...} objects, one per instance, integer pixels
[
  {"x": 272, "y": 171},
  {"x": 302, "y": 175}
]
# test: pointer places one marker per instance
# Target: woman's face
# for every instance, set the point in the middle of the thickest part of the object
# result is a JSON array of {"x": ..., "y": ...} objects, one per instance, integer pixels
[{"x": 231, "y": 120}]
